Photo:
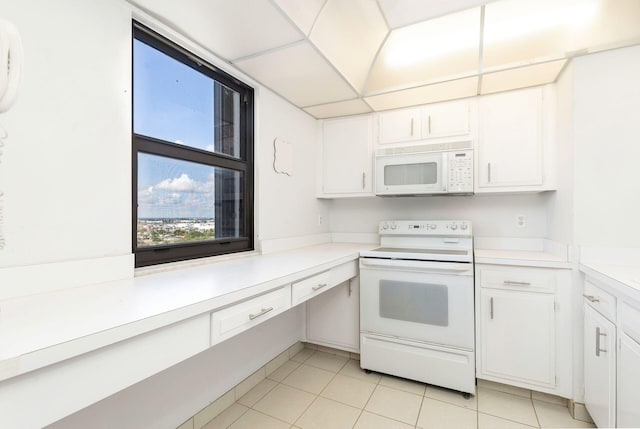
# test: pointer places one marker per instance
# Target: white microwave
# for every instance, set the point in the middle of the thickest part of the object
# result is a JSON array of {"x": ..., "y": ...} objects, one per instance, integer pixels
[{"x": 435, "y": 169}]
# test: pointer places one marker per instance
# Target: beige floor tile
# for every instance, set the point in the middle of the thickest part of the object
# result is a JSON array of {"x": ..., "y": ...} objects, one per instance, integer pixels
[
  {"x": 227, "y": 417},
  {"x": 395, "y": 404},
  {"x": 309, "y": 378},
  {"x": 333, "y": 351},
  {"x": 486, "y": 421},
  {"x": 325, "y": 413},
  {"x": 253, "y": 419},
  {"x": 348, "y": 390},
  {"x": 504, "y": 388},
  {"x": 326, "y": 361},
  {"x": 373, "y": 421},
  {"x": 557, "y": 416},
  {"x": 284, "y": 370},
  {"x": 451, "y": 396},
  {"x": 436, "y": 414},
  {"x": 303, "y": 355},
  {"x": 254, "y": 395},
  {"x": 506, "y": 405},
  {"x": 403, "y": 384},
  {"x": 352, "y": 369},
  {"x": 284, "y": 403}
]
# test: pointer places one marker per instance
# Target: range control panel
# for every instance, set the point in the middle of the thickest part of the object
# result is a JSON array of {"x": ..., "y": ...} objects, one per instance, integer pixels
[{"x": 426, "y": 227}]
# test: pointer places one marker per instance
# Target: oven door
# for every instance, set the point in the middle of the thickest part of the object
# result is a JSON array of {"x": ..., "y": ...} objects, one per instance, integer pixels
[
  {"x": 424, "y": 301},
  {"x": 412, "y": 174}
]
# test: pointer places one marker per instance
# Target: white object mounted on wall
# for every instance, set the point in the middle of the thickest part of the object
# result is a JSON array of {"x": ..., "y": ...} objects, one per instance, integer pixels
[
  {"x": 11, "y": 60},
  {"x": 283, "y": 157}
]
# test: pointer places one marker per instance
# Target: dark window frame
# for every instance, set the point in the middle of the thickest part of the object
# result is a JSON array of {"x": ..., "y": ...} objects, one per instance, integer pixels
[{"x": 152, "y": 255}]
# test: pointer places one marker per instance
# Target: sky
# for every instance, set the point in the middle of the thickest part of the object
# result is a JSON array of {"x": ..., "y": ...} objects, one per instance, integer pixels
[{"x": 172, "y": 102}]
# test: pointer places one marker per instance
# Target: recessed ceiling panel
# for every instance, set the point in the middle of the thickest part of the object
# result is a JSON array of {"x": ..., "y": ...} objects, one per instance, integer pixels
[
  {"x": 302, "y": 12},
  {"x": 230, "y": 29},
  {"x": 349, "y": 33},
  {"x": 425, "y": 94},
  {"x": 404, "y": 12},
  {"x": 537, "y": 74},
  {"x": 435, "y": 50},
  {"x": 342, "y": 108},
  {"x": 522, "y": 31},
  {"x": 298, "y": 73}
]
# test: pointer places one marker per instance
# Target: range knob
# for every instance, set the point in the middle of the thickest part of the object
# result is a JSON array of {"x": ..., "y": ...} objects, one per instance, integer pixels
[
  {"x": 385, "y": 226},
  {"x": 454, "y": 227},
  {"x": 432, "y": 226},
  {"x": 463, "y": 226},
  {"x": 393, "y": 226}
]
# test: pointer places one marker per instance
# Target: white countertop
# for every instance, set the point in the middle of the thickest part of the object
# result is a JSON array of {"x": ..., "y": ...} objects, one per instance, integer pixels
[
  {"x": 74, "y": 321},
  {"x": 624, "y": 279},
  {"x": 520, "y": 257}
]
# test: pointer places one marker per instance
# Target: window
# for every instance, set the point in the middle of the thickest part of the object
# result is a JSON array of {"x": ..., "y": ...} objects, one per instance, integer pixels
[{"x": 192, "y": 155}]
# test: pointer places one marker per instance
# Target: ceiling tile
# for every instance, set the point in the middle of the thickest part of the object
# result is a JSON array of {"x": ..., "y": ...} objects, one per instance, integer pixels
[
  {"x": 404, "y": 12},
  {"x": 519, "y": 31},
  {"x": 230, "y": 29},
  {"x": 302, "y": 12},
  {"x": 342, "y": 108},
  {"x": 537, "y": 74},
  {"x": 425, "y": 94},
  {"x": 349, "y": 33},
  {"x": 298, "y": 73},
  {"x": 436, "y": 50}
]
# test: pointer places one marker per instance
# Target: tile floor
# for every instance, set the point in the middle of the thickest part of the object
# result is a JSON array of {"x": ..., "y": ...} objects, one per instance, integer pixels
[{"x": 315, "y": 389}]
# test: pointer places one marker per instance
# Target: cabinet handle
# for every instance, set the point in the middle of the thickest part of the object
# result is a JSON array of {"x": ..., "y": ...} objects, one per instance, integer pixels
[
  {"x": 491, "y": 308},
  {"x": 514, "y": 283},
  {"x": 263, "y": 311},
  {"x": 488, "y": 172},
  {"x": 350, "y": 287},
  {"x": 411, "y": 127},
  {"x": 591, "y": 298},
  {"x": 318, "y": 287},
  {"x": 429, "y": 124},
  {"x": 598, "y": 335},
  {"x": 364, "y": 181}
]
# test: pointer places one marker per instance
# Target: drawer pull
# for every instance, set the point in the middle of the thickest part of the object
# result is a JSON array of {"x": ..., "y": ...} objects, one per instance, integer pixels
[
  {"x": 491, "y": 308},
  {"x": 514, "y": 283},
  {"x": 263, "y": 311},
  {"x": 318, "y": 287},
  {"x": 598, "y": 335},
  {"x": 591, "y": 298}
]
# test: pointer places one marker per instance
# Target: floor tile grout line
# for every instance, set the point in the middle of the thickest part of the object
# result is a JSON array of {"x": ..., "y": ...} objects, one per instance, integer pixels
[
  {"x": 535, "y": 412},
  {"x": 419, "y": 410},
  {"x": 508, "y": 419}
]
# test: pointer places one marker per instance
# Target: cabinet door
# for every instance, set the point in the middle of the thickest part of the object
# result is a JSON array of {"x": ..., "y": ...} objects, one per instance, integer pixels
[
  {"x": 628, "y": 383},
  {"x": 599, "y": 368},
  {"x": 333, "y": 317},
  {"x": 446, "y": 120},
  {"x": 399, "y": 125},
  {"x": 510, "y": 140},
  {"x": 347, "y": 156},
  {"x": 518, "y": 336}
]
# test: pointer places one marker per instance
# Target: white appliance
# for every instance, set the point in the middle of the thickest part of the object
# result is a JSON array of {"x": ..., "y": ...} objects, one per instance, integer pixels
[
  {"x": 433, "y": 169},
  {"x": 417, "y": 303}
]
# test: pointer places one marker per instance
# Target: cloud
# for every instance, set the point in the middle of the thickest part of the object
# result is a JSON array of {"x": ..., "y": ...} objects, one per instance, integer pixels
[{"x": 180, "y": 184}]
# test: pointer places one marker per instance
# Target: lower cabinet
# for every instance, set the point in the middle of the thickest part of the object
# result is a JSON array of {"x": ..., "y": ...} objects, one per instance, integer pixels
[
  {"x": 523, "y": 318},
  {"x": 599, "y": 368},
  {"x": 627, "y": 393},
  {"x": 333, "y": 318}
]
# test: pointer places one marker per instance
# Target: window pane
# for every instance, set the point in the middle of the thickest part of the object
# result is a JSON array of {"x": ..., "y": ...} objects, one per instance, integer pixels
[
  {"x": 176, "y": 103},
  {"x": 180, "y": 201}
]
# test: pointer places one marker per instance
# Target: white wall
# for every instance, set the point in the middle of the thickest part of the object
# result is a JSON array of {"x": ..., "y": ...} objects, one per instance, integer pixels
[
  {"x": 606, "y": 108},
  {"x": 492, "y": 216}
]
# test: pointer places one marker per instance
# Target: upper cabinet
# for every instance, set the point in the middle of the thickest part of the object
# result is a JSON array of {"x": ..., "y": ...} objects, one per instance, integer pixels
[
  {"x": 515, "y": 142},
  {"x": 435, "y": 121},
  {"x": 347, "y": 157}
]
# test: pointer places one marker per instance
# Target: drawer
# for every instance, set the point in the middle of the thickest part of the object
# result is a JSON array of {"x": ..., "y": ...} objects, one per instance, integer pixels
[
  {"x": 308, "y": 288},
  {"x": 602, "y": 301},
  {"x": 511, "y": 278},
  {"x": 630, "y": 321},
  {"x": 237, "y": 318}
]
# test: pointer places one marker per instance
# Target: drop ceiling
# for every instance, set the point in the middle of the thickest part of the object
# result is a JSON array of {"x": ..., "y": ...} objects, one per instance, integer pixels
[{"x": 344, "y": 57}]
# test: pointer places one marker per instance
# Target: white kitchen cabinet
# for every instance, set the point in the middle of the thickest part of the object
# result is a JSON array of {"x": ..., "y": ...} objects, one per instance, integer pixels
[
  {"x": 433, "y": 121},
  {"x": 523, "y": 318},
  {"x": 628, "y": 407},
  {"x": 514, "y": 142},
  {"x": 333, "y": 318},
  {"x": 347, "y": 157},
  {"x": 599, "y": 367},
  {"x": 518, "y": 336}
]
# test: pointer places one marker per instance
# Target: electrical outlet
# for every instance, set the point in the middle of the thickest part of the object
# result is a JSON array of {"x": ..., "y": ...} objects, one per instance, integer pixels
[
  {"x": 320, "y": 219},
  {"x": 521, "y": 221}
]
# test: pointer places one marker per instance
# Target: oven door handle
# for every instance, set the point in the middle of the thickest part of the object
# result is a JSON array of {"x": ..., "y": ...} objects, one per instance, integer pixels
[{"x": 422, "y": 266}]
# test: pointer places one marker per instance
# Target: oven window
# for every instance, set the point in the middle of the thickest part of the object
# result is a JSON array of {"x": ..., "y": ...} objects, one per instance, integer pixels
[
  {"x": 411, "y": 174},
  {"x": 423, "y": 303}
]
